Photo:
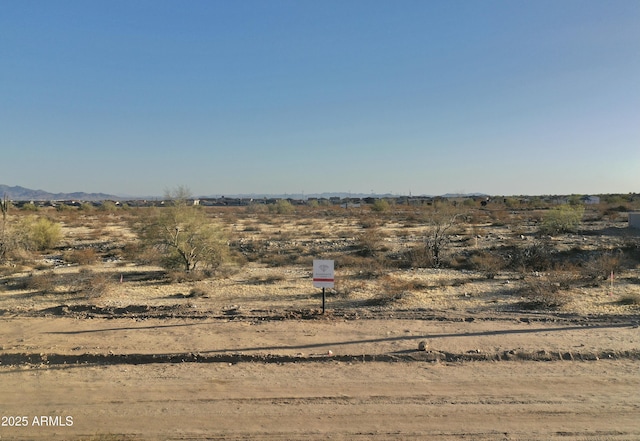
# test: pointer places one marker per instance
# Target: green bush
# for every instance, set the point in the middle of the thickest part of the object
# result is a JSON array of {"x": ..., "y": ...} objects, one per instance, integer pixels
[
  {"x": 37, "y": 233},
  {"x": 108, "y": 206},
  {"x": 282, "y": 206},
  {"x": 30, "y": 207},
  {"x": 380, "y": 206},
  {"x": 563, "y": 219},
  {"x": 184, "y": 237}
]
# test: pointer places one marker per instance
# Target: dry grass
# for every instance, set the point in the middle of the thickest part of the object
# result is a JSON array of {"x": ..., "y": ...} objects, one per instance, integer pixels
[{"x": 489, "y": 264}]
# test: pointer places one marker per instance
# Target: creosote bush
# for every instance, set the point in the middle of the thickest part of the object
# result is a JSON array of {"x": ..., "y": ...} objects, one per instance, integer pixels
[
  {"x": 282, "y": 206},
  {"x": 548, "y": 291},
  {"x": 380, "y": 206},
  {"x": 563, "y": 219},
  {"x": 36, "y": 233}
]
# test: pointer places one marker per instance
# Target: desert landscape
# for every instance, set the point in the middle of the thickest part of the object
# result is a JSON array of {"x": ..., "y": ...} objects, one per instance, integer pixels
[{"x": 450, "y": 318}]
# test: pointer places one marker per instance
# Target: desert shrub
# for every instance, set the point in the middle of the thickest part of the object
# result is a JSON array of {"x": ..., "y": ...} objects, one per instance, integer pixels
[
  {"x": 252, "y": 228},
  {"x": 392, "y": 289},
  {"x": 368, "y": 242},
  {"x": 499, "y": 218},
  {"x": 401, "y": 284},
  {"x": 629, "y": 299},
  {"x": 228, "y": 269},
  {"x": 63, "y": 208},
  {"x": 251, "y": 249},
  {"x": 547, "y": 291},
  {"x": 256, "y": 209},
  {"x": 92, "y": 284},
  {"x": 352, "y": 260},
  {"x": 44, "y": 283},
  {"x": 87, "y": 207},
  {"x": 612, "y": 213},
  {"x": 280, "y": 258},
  {"x": 441, "y": 223},
  {"x": 108, "y": 206},
  {"x": 563, "y": 219},
  {"x": 267, "y": 279},
  {"x": 380, "y": 206},
  {"x": 419, "y": 256},
  {"x": 601, "y": 266},
  {"x": 389, "y": 291},
  {"x": 346, "y": 287},
  {"x": 198, "y": 291},
  {"x": 362, "y": 267},
  {"x": 20, "y": 256},
  {"x": 86, "y": 256},
  {"x": 36, "y": 233},
  {"x": 306, "y": 260},
  {"x": 29, "y": 207},
  {"x": 139, "y": 253},
  {"x": 11, "y": 269},
  {"x": 631, "y": 248},
  {"x": 535, "y": 257},
  {"x": 282, "y": 206},
  {"x": 462, "y": 261},
  {"x": 370, "y": 222},
  {"x": 184, "y": 237},
  {"x": 178, "y": 276},
  {"x": 488, "y": 263}
]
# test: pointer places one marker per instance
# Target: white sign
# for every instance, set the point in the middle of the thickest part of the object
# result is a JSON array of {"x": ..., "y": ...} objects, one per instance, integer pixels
[{"x": 323, "y": 275}]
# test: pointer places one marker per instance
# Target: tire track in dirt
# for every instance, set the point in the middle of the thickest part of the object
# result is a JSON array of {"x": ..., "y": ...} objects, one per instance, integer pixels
[
  {"x": 41, "y": 359},
  {"x": 186, "y": 311}
]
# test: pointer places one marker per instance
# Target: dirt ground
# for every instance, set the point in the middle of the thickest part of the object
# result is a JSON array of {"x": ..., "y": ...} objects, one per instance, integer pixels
[
  {"x": 320, "y": 377},
  {"x": 117, "y": 350}
]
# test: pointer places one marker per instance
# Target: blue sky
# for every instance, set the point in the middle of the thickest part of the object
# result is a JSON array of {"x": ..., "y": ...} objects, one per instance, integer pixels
[{"x": 229, "y": 97}]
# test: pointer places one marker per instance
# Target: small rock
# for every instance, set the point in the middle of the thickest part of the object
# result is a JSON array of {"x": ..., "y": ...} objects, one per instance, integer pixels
[{"x": 423, "y": 345}]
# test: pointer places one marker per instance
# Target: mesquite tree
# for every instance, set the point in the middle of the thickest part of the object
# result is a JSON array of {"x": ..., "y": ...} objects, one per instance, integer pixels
[{"x": 184, "y": 236}]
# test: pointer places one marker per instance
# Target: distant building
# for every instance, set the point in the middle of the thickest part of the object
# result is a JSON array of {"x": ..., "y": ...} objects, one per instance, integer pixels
[
  {"x": 634, "y": 220},
  {"x": 589, "y": 200}
]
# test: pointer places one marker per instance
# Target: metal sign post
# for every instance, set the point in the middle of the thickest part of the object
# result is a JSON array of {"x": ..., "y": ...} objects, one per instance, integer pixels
[{"x": 323, "y": 277}]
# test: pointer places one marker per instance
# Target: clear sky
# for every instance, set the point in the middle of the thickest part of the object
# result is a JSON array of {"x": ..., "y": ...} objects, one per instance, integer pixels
[{"x": 273, "y": 96}]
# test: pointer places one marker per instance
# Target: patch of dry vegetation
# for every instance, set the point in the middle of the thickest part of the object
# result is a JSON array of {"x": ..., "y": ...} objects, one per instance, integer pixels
[{"x": 500, "y": 256}]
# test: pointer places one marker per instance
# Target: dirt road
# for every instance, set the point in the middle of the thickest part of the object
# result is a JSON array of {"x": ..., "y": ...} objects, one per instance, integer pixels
[{"x": 97, "y": 379}]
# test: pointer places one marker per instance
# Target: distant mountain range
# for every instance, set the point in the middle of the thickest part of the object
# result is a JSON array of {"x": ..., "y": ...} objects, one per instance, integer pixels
[{"x": 18, "y": 193}]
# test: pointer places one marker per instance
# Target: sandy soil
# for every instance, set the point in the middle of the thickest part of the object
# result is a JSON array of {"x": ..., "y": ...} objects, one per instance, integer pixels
[
  {"x": 117, "y": 350},
  {"x": 335, "y": 377}
]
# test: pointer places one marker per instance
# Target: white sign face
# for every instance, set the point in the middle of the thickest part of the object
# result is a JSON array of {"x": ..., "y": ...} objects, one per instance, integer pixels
[{"x": 323, "y": 274}]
